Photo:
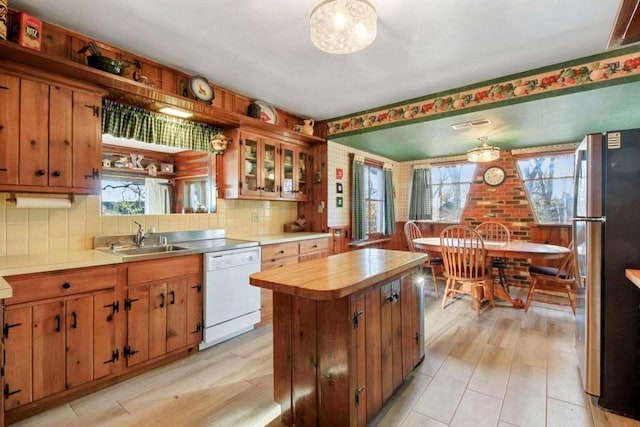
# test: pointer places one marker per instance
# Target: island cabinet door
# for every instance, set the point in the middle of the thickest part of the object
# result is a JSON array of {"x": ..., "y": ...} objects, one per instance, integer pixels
[
  {"x": 373, "y": 356},
  {"x": 17, "y": 356},
  {"x": 391, "y": 338},
  {"x": 412, "y": 303},
  {"x": 358, "y": 363}
]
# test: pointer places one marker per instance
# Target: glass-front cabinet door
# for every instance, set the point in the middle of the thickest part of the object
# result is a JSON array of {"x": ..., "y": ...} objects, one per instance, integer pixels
[
  {"x": 304, "y": 170},
  {"x": 269, "y": 175},
  {"x": 289, "y": 186},
  {"x": 249, "y": 165}
]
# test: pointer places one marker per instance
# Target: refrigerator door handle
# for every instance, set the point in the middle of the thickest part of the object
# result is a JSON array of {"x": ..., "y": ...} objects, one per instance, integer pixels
[{"x": 589, "y": 219}]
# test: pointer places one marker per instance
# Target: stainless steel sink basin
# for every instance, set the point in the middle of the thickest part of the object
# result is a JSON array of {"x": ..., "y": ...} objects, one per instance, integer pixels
[
  {"x": 138, "y": 253},
  {"x": 143, "y": 250}
]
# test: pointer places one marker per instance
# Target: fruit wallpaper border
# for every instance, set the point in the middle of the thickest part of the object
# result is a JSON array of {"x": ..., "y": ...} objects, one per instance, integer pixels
[{"x": 582, "y": 74}]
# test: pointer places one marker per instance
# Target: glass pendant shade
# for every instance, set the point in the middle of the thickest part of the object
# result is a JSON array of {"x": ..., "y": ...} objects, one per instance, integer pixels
[
  {"x": 483, "y": 153},
  {"x": 343, "y": 26}
]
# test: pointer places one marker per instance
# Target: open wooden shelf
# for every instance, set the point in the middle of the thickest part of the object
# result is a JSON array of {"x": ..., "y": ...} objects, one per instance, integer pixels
[{"x": 132, "y": 92}]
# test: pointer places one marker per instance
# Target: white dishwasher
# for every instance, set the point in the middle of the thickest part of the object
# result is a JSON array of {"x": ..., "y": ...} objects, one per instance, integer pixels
[{"x": 231, "y": 304}]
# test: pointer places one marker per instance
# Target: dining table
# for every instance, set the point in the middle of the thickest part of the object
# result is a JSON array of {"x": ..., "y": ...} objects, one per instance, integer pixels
[{"x": 512, "y": 249}]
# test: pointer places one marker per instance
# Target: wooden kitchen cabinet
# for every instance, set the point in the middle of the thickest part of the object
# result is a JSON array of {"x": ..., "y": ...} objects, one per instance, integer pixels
[
  {"x": 9, "y": 132},
  {"x": 164, "y": 307},
  {"x": 281, "y": 254},
  {"x": 51, "y": 137},
  {"x": 264, "y": 166},
  {"x": 55, "y": 344},
  {"x": 339, "y": 334}
]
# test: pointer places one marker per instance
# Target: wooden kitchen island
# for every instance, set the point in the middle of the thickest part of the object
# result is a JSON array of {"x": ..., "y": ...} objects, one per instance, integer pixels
[{"x": 347, "y": 330}]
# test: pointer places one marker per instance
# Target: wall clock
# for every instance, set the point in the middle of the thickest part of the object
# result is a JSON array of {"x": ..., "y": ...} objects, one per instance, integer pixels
[
  {"x": 494, "y": 176},
  {"x": 201, "y": 89}
]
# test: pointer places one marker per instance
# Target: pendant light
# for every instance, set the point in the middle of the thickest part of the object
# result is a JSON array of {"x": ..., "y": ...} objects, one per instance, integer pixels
[{"x": 484, "y": 152}]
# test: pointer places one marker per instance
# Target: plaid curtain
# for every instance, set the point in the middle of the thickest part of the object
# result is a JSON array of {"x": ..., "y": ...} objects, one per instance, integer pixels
[
  {"x": 143, "y": 125},
  {"x": 420, "y": 205},
  {"x": 389, "y": 206},
  {"x": 358, "y": 205}
]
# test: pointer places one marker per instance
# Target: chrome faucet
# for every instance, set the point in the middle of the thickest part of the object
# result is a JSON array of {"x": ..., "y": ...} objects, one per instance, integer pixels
[{"x": 140, "y": 235}]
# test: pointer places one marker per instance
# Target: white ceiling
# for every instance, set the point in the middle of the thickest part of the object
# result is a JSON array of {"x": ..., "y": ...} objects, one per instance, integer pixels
[{"x": 261, "y": 48}]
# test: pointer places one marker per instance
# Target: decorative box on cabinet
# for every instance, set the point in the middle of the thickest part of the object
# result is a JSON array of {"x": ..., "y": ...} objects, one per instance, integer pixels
[
  {"x": 50, "y": 135},
  {"x": 60, "y": 331}
]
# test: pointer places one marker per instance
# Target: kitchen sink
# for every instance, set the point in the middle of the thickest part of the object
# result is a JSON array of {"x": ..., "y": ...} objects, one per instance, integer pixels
[
  {"x": 143, "y": 250},
  {"x": 138, "y": 253}
]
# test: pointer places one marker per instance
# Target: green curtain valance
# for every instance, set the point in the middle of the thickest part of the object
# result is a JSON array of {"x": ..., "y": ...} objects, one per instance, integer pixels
[{"x": 135, "y": 123}]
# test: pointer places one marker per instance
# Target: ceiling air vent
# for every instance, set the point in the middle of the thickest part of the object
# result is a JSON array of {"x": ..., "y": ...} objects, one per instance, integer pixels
[{"x": 471, "y": 124}]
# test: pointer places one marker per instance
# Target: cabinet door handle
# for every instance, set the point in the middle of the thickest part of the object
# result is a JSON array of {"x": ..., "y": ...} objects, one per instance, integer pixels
[
  {"x": 74, "y": 322},
  {"x": 3, "y": 169},
  {"x": 58, "y": 323},
  {"x": 4, "y": 87},
  {"x": 66, "y": 285},
  {"x": 115, "y": 355},
  {"x": 8, "y": 393},
  {"x": 56, "y": 173},
  {"x": 95, "y": 110},
  {"x": 95, "y": 174},
  {"x": 7, "y": 326},
  {"x": 198, "y": 287},
  {"x": 198, "y": 328},
  {"x": 161, "y": 300},
  {"x": 1, "y": 127},
  {"x": 173, "y": 297},
  {"x": 41, "y": 172}
]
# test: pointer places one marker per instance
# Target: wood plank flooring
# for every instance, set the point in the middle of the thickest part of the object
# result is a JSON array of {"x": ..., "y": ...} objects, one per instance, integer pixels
[{"x": 503, "y": 368}]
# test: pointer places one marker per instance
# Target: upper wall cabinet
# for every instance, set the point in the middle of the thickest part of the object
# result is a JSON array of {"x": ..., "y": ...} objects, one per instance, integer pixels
[
  {"x": 262, "y": 166},
  {"x": 50, "y": 137}
]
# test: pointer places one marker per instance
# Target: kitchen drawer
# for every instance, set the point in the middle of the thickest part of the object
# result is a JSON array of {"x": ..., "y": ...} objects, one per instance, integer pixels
[
  {"x": 268, "y": 264},
  {"x": 280, "y": 250},
  {"x": 164, "y": 268},
  {"x": 314, "y": 245},
  {"x": 38, "y": 286}
]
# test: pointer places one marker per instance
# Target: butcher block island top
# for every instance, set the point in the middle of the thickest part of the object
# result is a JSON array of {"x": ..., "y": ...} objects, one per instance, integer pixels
[
  {"x": 347, "y": 331},
  {"x": 339, "y": 275}
]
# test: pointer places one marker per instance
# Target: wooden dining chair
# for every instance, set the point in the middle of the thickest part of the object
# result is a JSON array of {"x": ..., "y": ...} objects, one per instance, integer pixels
[
  {"x": 554, "y": 281},
  {"x": 412, "y": 231},
  {"x": 492, "y": 231},
  {"x": 465, "y": 269}
]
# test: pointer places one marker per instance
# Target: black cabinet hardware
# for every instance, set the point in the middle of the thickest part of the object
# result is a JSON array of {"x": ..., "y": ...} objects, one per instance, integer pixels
[
  {"x": 161, "y": 300},
  {"x": 56, "y": 173},
  {"x": 115, "y": 355},
  {"x": 128, "y": 302},
  {"x": 58, "y": 323},
  {"x": 95, "y": 174},
  {"x": 7, "y": 326},
  {"x": 66, "y": 285},
  {"x": 8, "y": 393},
  {"x": 74, "y": 322},
  {"x": 115, "y": 307},
  {"x": 356, "y": 315},
  {"x": 173, "y": 297},
  {"x": 127, "y": 351},
  {"x": 359, "y": 391},
  {"x": 41, "y": 172}
]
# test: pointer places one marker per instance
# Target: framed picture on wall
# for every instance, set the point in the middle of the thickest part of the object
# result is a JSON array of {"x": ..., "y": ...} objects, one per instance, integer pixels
[
  {"x": 338, "y": 202},
  {"x": 338, "y": 187}
]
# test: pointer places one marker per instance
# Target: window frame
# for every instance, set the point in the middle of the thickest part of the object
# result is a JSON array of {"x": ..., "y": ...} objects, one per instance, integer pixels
[
  {"x": 532, "y": 155},
  {"x": 460, "y": 163},
  {"x": 368, "y": 165}
]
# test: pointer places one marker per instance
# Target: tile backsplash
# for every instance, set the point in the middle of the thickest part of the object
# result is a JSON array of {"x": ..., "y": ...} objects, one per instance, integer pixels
[{"x": 34, "y": 231}]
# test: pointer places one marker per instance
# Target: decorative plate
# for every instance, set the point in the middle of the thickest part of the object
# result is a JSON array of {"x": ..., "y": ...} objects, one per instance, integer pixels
[
  {"x": 201, "y": 89},
  {"x": 268, "y": 113}
]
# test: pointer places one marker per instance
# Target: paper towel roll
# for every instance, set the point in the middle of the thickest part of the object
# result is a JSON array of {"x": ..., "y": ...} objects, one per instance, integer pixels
[{"x": 42, "y": 202}]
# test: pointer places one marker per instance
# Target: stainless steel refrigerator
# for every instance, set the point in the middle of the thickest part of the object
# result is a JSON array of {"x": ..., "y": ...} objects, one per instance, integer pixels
[{"x": 606, "y": 235}]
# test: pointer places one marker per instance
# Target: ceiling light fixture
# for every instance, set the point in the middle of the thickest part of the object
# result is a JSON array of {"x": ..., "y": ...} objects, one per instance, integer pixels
[
  {"x": 471, "y": 124},
  {"x": 343, "y": 26},
  {"x": 483, "y": 153},
  {"x": 175, "y": 112}
]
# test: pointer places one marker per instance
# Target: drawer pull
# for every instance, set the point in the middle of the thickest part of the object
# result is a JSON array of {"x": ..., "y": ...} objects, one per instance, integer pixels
[
  {"x": 56, "y": 173},
  {"x": 281, "y": 252},
  {"x": 58, "y": 323},
  {"x": 314, "y": 246},
  {"x": 41, "y": 172},
  {"x": 66, "y": 285}
]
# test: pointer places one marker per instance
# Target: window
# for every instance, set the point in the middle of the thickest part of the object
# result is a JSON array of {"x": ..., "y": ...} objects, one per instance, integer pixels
[
  {"x": 548, "y": 182},
  {"x": 134, "y": 196},
  {"x": 374, "y": 200},
  {"x": 449, "y": 189}
]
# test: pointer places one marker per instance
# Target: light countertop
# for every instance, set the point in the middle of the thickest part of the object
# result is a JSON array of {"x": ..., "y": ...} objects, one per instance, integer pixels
[
  {"x": 338, "y": 275},
  {"x": 269, "y": 239}
]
